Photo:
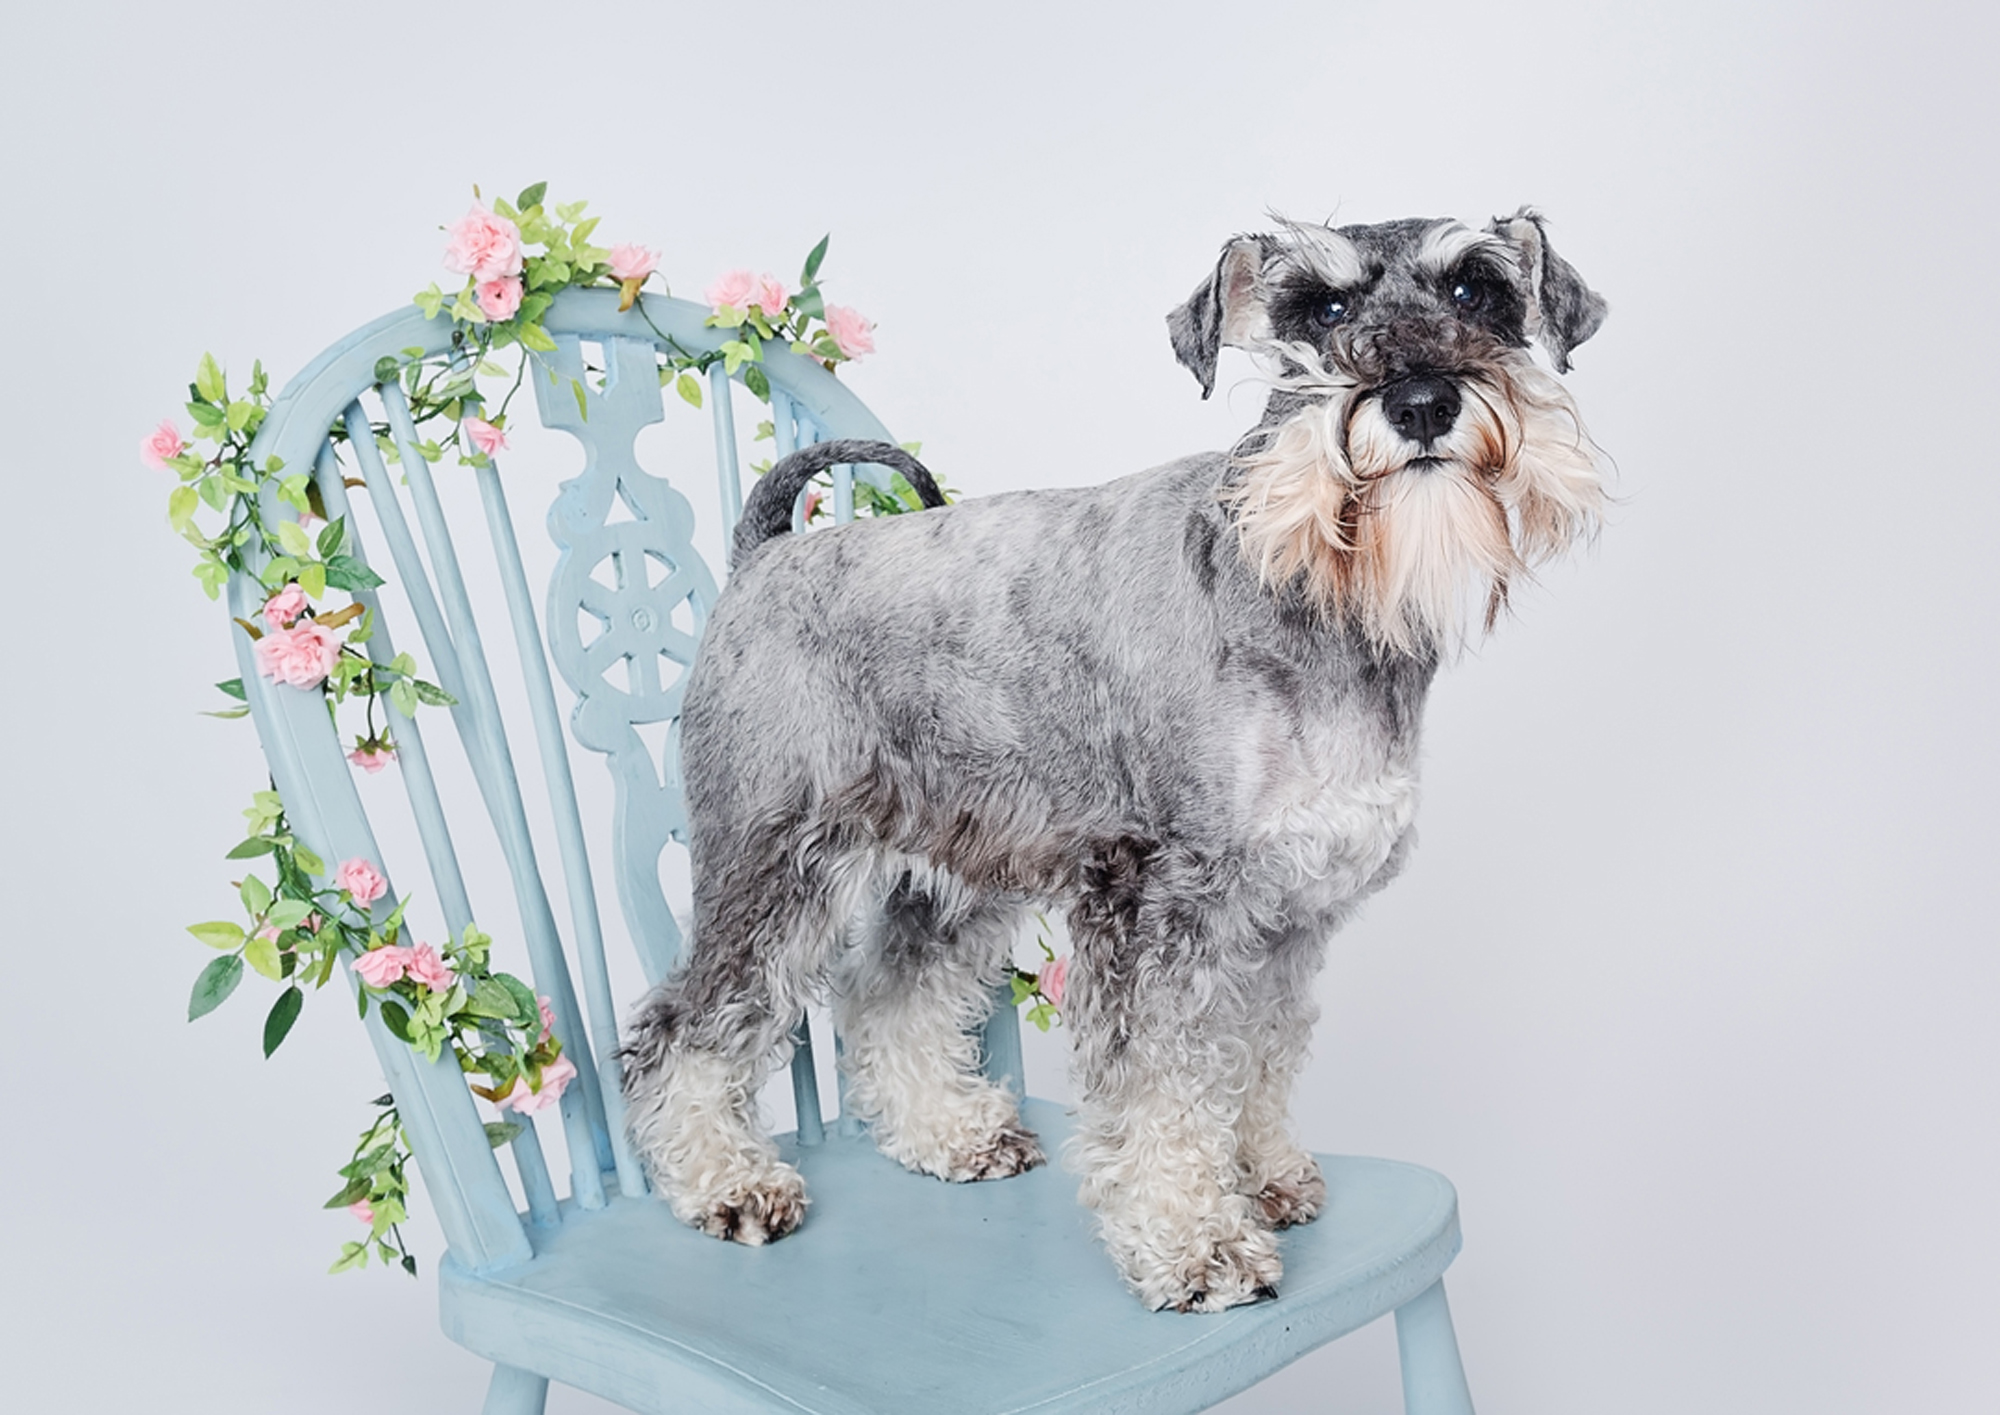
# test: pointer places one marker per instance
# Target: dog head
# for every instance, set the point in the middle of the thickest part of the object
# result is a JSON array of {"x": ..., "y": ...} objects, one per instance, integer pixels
[{"x": 1414, "y": 459}]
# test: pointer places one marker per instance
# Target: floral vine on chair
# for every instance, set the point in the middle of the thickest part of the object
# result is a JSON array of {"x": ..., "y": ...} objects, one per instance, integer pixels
[{"x": 514, "y": 257}]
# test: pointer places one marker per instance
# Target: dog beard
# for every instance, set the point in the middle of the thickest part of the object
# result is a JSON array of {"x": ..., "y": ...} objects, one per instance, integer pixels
[{"x": 1414, "y": 545}]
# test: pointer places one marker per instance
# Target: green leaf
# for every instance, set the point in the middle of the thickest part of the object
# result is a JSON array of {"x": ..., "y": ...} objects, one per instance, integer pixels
[
  {"x": 397, "y": 1018},
  {"x": 352, "y": 1255},
  {"x": 307, "y": 861},
  {"x": 527, "y": 1011},
  {"x": 233, "y": 687},
  {"x": 289, "y": 913},
  {"x": 213, "y": 986},
  {"x": 256, "y": 894},
  {"x": 262, "y": 954},
  {"x": 356, "y": 1190},
  {"x": 253, "y": 847},
  {"x": 278, "y": 1022},
  {"x": 219, "y": 934},
  {"x": 757, "y": 382},
  {"x": 498, "y": 1133},
  {"x": 312, "y": 579},
  {"x": 431, "y": 693},
  {"x": 532, "y": 195},
  {"x": 403, "y": 697},
  {"x": 811, "y": 271},
  {"x": 182, "y": 503},
  {"x": 332, "y": 538},
  {"x": 208, "y": 381},
  {"x": 239, "y": 414},
  {"x": 344, "y": 572},
  {"x": 533, "y": 336},
  {"x": 493, "y": 999},
  {"x": 809, "y": 303},
  {"x": 430, "y": 300},
  {"x": 294, "y": 540},
  {"x": 582, "y": 399},
  {"x": 689, "y": 387}
]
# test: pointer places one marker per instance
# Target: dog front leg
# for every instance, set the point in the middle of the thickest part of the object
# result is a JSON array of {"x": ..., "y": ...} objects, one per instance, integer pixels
[
  {"x": 1282, "y": 1180},
  {"x": 1163, "y": 1064}
]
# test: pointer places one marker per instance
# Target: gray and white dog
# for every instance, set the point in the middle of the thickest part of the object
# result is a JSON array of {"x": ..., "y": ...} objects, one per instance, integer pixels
[{"x": 1182, "y": 706}]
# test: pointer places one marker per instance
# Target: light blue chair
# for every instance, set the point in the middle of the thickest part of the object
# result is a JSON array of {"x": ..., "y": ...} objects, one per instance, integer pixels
[{"x": 900, "y": 1293}]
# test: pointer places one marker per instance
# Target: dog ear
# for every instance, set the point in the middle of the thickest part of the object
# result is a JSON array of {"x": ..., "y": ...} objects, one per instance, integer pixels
[
  {"x": 1227, "y": 308},
  {"x": 1564, "y": 311}
]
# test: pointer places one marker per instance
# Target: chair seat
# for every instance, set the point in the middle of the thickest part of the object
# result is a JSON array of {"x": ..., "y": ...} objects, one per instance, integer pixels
[{"x": 901, "y": 1293}]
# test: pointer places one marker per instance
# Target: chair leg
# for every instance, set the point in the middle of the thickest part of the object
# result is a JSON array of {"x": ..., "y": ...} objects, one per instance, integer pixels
[
  {"x": 1433, "y": 1376},
  {"x": 516, "y": 1392}
]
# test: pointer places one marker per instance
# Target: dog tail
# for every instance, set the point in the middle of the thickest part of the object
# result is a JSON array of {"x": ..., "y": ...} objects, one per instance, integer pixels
[{"x": 768, "y": 512}]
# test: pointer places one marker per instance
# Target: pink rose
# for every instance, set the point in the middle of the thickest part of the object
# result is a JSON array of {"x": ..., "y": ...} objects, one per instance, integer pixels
[
  {"x": 498, "y": 299},
  {"x": 362, "y": 880},
  {"x": 382, "y": 966},
  {"x": 302, "y": 655},
  {"x": 769, "y": 295},
  {"x": 853, "y": 334},
  {"x": 632, "y": 262},
  {"x": 485, "y": 437},
  {"x": 1054, "y": 978},
  {"x": 424, "y": 966},
  {"x": 484, "y": 246},
  {"x": 548, "y": 1017},
  {"x": 269, "y": 933},
  {"x": 371, "y": 756},
  {"x": 813, "y": 498},
  {"x": 556, "y": 1077},
  {"x": 285, "y": 606},
  {"x": 163, "y": 442},
  {"x": 361, "y": 1210},
  {"x": 732, "y": 289}
]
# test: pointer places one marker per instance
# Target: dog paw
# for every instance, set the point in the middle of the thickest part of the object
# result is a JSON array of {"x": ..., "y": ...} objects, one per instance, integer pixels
[
  {"x": 1294, "y": 1198},
  {"x": 756, "y": 1213},
  {"x": 1010, "y": 1151},
  {"x": 1218, "y": 1276}
]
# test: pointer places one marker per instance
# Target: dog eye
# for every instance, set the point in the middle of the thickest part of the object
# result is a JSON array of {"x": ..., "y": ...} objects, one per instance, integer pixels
[
  {"x": 1470, "y": 294},
  {"x": 1329, "y": 312}
]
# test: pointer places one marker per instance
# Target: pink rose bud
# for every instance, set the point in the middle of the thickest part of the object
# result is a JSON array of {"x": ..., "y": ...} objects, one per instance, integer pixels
[
  {"x": 1054, "y": 978},
  {"x": 362, "y": 880},
  {"x": 498, "y": 299},
  {"x": 484, "y": 437},
  {"x": 731, "y": 289},
  {"x": 382, "y": 966},
  {"x": 361, "y": 1210},
  {"x": 427, "y": 968},
  {"x": 484, "y": 246},
  {"x": 302, "y": 655},
  {"x": 630, "y": 262},
  {"x": 269, "y": 933},
  {"x": 371, "y": 756},
  {"x": 769, "y": 295},
  {"x": 548, "y": 1017},
  {"x": 851, "y": 333},
  {"x": 285, "y": 606},
  {"x": 813, "y": 498},
  {"x": 556, "y": 1077},
  {"x": 163, "y": 442}
]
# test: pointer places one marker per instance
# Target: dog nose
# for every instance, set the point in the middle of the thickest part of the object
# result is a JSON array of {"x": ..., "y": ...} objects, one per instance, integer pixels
[{"x": 1421, "y": 407}]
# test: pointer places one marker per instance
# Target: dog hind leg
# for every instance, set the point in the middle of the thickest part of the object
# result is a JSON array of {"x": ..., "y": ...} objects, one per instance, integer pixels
[
  {"x": 703, "y": 1042},
  {"x": 909, "y": 996}
]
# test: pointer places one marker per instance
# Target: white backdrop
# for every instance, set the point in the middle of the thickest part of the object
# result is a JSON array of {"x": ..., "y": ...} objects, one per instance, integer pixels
[{"x": 1691, "y": 987}]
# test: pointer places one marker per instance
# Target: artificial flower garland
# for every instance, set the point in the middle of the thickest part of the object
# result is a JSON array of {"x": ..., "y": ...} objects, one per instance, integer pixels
[{"x": 307, "y": 918}]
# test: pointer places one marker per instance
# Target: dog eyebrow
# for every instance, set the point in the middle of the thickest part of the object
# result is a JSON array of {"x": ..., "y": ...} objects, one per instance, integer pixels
[
  {"x": 1326, "y": 255},
  {"x": 1448, "y": 243}
]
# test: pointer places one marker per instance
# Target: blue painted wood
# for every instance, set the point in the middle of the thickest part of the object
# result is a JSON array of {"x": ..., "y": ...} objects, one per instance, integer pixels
[
  {"x": 515, "y": 1392},
  {"x": 1433, "y": 1377},
  {"x": 900, "y": 1293}
]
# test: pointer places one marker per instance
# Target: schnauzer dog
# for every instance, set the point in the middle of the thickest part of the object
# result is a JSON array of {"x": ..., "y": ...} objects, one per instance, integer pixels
[{"x": 1183, "y": 707}]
